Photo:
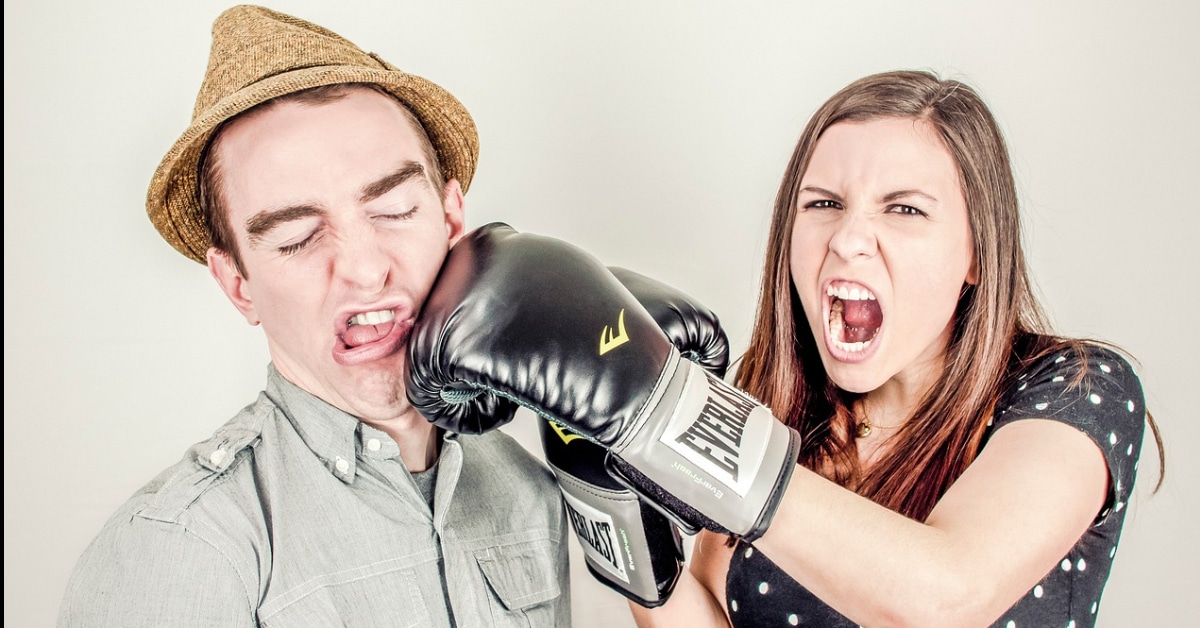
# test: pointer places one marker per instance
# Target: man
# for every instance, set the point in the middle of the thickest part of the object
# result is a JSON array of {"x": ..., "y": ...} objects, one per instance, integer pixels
[{"x": 323, "y": 189}]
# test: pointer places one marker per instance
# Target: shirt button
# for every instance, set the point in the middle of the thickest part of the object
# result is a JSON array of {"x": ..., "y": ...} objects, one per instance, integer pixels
[
  {"x": 374, "y": 444},
  {"x": 341, "y": 465},
  {"x": 217, "y": 457}
]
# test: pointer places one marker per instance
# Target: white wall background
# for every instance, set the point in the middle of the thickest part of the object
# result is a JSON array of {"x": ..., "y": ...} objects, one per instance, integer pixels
[{"x": 653, "y": 134}]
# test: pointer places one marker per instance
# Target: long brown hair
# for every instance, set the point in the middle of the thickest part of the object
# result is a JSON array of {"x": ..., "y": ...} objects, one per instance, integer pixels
[{"x": 998, "y": 326}]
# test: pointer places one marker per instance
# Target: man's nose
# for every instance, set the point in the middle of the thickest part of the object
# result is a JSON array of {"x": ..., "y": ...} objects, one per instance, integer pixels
[{"x": 363, "y": 261}]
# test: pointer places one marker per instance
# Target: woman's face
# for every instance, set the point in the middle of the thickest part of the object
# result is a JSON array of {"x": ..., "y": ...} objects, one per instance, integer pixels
[{"x": 880, "y": 251}]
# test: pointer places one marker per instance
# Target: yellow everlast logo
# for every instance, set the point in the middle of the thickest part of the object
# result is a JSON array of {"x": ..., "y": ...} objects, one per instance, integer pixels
[
  {"x": 566, "y": 436},
  {"x": 608, "y": 341}
]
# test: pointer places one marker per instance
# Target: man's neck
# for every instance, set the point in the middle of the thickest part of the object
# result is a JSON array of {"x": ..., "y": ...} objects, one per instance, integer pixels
[{"x": 418, "y": 440}]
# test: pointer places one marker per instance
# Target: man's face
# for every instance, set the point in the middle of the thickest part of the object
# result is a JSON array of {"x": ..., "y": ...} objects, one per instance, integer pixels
[{"x": 341, "y": 234}]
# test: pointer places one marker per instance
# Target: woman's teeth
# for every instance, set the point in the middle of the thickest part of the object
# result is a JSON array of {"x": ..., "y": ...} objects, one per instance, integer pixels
[
  {"x": 850, "y": 294},
  {"x": 865, "y": 327},
  {"x": 372, "y": 318}
]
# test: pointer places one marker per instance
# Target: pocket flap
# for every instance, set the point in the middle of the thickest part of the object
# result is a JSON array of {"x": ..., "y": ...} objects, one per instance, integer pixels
[{"x": 521, "y": 574}]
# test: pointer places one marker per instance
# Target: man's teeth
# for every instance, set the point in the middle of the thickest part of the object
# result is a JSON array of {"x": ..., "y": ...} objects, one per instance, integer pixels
[
  {"x": 851, "y": 294},
  {"x": 372, "y": 318}
]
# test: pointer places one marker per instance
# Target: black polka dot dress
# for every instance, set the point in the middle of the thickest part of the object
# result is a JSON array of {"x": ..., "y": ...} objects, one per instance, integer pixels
[{"x": 1106, "y": 404}]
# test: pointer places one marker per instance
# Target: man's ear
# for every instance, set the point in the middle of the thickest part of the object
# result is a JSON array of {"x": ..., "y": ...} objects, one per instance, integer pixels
[
  {"x": 232, "y": 283},
  {"x": 453, "y": 208}
]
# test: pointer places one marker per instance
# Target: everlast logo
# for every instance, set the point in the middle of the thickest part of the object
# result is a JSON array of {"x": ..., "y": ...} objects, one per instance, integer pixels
[
  {"x": 717, "y": 432},
  {"x": 597, "y": 534}
]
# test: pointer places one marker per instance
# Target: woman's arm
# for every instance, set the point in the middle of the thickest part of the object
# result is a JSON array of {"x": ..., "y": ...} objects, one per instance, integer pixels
[
  {"x": 1015, "y": 512},
  {"x": 698, "y": 599}
]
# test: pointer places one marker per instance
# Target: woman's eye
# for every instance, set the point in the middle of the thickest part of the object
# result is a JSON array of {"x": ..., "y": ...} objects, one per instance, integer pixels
[
  {"x": 823, "y": 204},
  {"x": 906, "y": 210}
]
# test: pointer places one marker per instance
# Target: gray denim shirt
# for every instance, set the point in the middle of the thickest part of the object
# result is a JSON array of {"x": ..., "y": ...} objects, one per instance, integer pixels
[{"x": 297, "y": 514}]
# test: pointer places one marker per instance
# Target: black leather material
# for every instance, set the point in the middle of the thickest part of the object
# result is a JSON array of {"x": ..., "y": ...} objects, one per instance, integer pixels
[
  {"x": 518, "y": 318},
  {"x": 694, "y": 329},
  {"x": 646, "y": 533}
]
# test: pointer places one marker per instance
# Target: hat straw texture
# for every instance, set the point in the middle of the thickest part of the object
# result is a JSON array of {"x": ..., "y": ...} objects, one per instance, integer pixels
[{"x": 259, "y": 54}]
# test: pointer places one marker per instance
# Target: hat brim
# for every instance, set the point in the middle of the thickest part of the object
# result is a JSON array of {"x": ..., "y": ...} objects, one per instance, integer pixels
[{"x": 172, "y": 201}]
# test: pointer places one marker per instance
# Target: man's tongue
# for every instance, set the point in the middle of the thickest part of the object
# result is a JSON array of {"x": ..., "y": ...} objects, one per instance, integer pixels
[
  {"x": 862, "y": 319},
  {"x": 359, "y": 335}
]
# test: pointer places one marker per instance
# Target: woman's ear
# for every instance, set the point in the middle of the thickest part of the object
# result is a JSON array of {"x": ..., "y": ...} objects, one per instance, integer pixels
[{"x": 973, "y": 272}]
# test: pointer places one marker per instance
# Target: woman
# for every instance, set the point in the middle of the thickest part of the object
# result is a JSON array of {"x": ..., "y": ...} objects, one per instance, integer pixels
[{"x": 960, "y": 464}]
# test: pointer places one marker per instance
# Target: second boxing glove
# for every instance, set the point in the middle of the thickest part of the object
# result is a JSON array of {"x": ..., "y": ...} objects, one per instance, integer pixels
[{"x": 627, "y": 544}]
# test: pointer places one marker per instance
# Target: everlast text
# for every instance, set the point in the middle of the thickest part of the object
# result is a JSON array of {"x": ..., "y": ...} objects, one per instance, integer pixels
[
  {"x": 717, "y": 432},
  {"x": 598, "y": 534}
]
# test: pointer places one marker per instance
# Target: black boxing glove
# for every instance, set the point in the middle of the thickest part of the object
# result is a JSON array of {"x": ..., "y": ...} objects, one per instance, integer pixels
[
  {"x": 628, "y": 545},
  {"x": 524, "y": 319}
]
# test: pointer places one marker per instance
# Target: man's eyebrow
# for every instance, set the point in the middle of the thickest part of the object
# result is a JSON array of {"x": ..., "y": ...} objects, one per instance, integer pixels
[
  {"x": 266, "y": 220},
  {"x": 409, "y": 170},
  {"x": 898, "y": 194}
]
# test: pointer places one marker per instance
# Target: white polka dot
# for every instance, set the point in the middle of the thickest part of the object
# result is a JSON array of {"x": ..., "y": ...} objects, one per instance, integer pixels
[
  {"x": 1135, "y": 465},
  {"x": 793, "y": 620},
  {"x": 1129, "y": 405},
  {"x": 1037, "y": 591},
  {"x": 1060, "y": 359},
  {"x": 1058, "y": 378},
  {"x": 1042, "y": 406},
  {"x": 1104, "y": 367},
  {"x": 733, "y": 605},
  {"x": 374, "y": 444},
  {"x": 1094, "y": 398},
  {"x": 341, "y": 465},
  {"x": 749, "y": 552},
  {"x": 1081, "y": 565},
  {"x": 1094, "y": 605},
  {"x": 1119, "y": 506},
  {"x": 1129, "y": 450},
  {"x": 1112, "y": 438},
  {"x": 1010, "y": 624},
  {"x": 1071, "y": 624},
  {"x": 763, "y": 587},
  {"x": 1022, "y": 386},
  {"x": 1112, "y": 552},
  {"x": 1066, "y": 564}
]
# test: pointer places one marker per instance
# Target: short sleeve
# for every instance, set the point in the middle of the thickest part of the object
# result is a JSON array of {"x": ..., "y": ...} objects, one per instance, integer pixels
[{"x": 1094, "y": 390}]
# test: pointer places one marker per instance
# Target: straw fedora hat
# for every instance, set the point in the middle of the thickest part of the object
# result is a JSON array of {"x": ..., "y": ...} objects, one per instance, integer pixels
[{"x": 259, "y": 54}]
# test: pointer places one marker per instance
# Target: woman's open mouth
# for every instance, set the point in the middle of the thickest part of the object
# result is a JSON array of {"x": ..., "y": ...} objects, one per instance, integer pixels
[{"x": 854, "y": 318}]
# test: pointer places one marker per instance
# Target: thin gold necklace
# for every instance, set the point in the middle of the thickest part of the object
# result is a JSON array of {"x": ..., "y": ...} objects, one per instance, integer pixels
[{"x": 863, "y": 428}]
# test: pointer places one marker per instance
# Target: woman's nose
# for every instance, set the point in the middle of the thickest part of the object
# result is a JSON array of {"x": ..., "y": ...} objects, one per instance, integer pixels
[{"x": 853, "y": 237}]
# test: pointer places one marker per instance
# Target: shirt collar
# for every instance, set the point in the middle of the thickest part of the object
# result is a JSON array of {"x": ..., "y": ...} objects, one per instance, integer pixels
[{"x": 331, "y": 434}]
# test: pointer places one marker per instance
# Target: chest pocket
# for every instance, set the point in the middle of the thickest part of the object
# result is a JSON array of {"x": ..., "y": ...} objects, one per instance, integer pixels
[
  {"x": 521, "y": 578},
  {"x": 367, "y": 598}
]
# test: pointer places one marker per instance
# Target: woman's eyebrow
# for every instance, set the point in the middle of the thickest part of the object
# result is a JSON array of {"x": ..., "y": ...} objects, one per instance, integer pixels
[
  {"x": 822, "y": 192},
  {"x": 898, "y": 194}
]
